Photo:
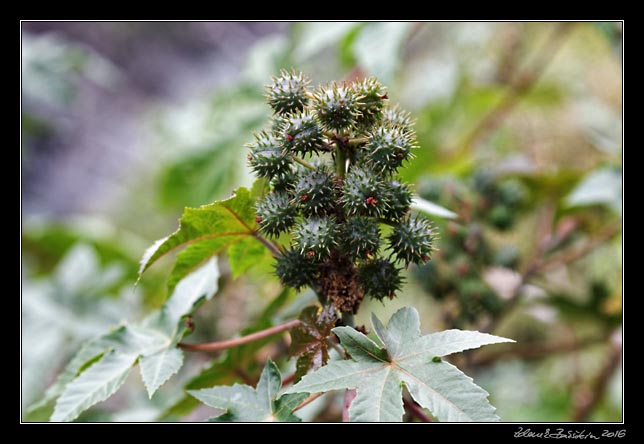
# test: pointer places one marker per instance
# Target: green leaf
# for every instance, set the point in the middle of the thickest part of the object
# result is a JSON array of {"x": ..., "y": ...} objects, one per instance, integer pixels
[
  {"x": 408, "y": 357},
  {"x": 245, "y": 254},
  {"x": 157, "y": 368},
  {"x": 600, "y": 187},
  {"x": 97, "y": 383},
  {"x": 191, "y": 290},
  {"x": 309, "y": 339},
  {"x": 89, "y": 353},
  {"x": 204, "y": 232},
  {"x": 420, "y": 204},
  {"x": 359, "y": 346},
  {"x": 246, "y": 404},
  {"x": 98, "y": 366},
  {"x": 224, "y": 370}
]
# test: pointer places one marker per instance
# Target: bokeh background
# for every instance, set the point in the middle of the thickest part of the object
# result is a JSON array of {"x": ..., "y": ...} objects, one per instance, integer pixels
[{"x": 520, "y": 126}]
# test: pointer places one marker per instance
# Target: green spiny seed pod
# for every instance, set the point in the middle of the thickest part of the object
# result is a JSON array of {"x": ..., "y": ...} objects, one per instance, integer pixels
[
  {"x": 267, "y": 157},
  {"x": 388, "y": 148},
  {"x": 301, "y": 134},
  {"x": 399, "y": 199},
  {"x": 360, "y": 237},
  {"x": 372, "y": 102},
  {"x": 285, "y": 182},
  {"x": 275, "y": 213},
  {"x": 314, "y": 191},
  {"x": 288, "y": 93},
  {"x": 336, "y": 107},
  {"x": 296, "y": 270},
  {"x": 316, "y": 237},
  {"x": 397, "y": 117},
  {"x": 411, "y": 241},
  {"x": 364, "y": 193},
  {"x": 380, "y": 279}
]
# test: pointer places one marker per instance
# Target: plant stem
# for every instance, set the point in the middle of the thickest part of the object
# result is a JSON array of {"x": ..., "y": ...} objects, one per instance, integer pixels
[
  {"x": 358, "y": 141},
  {"x": 535, "y": 351},
  {"x": 348, "y": 397},
  {"x": 347, "y": 319},
  {"x": 588, "y": 400},
  {"x": 304, "y": 163},
  {"x": 340, "y": 161},
  {"x": 268, "y": 244},
  {"x": 222, "y": 345},
  {"x": 416, "y": 411},
  {"x": 288, "y": 380},
  {"x": 308, "y": 400}
]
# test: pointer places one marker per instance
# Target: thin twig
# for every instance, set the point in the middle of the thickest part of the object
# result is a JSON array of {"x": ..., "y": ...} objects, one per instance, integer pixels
[
  {"x": 523, "y": 82},
  {"x": 268, "y": 244},
  {"x": 535, "y": 351},
  {"x": 537, "y": 267},
  {"x": 416, "y": 411},
  {"x": 304, "y": 163},
  {"x": 589, "y": 400},
  {"x": 308, "y": 400},
  {"x": 571, "y": 256},
  {"x": 222, "y": 345}
]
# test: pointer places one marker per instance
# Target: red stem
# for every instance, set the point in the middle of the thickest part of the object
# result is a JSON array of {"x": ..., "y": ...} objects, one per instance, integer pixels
[
  {"x": 348, "y": 397},
  {"x": 416, "y": 411},
  {"x": 222, "y": 345}
]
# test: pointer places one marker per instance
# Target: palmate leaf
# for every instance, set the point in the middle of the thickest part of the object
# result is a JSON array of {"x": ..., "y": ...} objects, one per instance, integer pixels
[
  {"x": 309, "y": 339},
  {"x": 103, "y": 364},
  {"x": 378, "y": 373},
  {"x": 205, "y": 231},
  {"x": 224, "y": 370},
  {"x": 246, "y": 404}
]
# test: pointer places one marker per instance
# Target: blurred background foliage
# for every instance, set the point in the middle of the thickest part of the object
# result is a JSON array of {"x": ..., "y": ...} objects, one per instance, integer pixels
[{"x": 520, "y": 124}]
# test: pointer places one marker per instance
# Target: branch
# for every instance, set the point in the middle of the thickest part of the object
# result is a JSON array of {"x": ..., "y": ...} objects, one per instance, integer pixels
[
  {"x": 535, "y": 351},
  {"x": 525, "y": 80},
  {"x": 416, "y": 411},
  {"x": 222, "y": 345},
  {"x": 570, "y": 256},
  {"x": 563, "y": 258},
  {"x": 588, "y": 401}
]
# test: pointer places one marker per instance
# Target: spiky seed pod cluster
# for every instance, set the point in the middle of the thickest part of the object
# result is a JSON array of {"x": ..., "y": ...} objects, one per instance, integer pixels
[
  {"x": 361, "y": 237},
  {"x": 288, "y": 93},
  {"x": 380, "y": 279},
  {"x": 371, "y": 104},
  {"x": 364, "y": 193},
  {"x": 275, "y": 215},
  {"x": 267, "y": 157},
  {"x": 316, "y": 237},
  {"x": 301, "y": 134},
  {"x": 337, "y": 107},
  {"x": 388, "y": 148},
  {"x": 295, "y": 269},
  {"x": 492, "y": 203},
  {"x": 331, "y": 158},
  {"x": 314, "y": 192},
  {"x": 411, "y": 241}
]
